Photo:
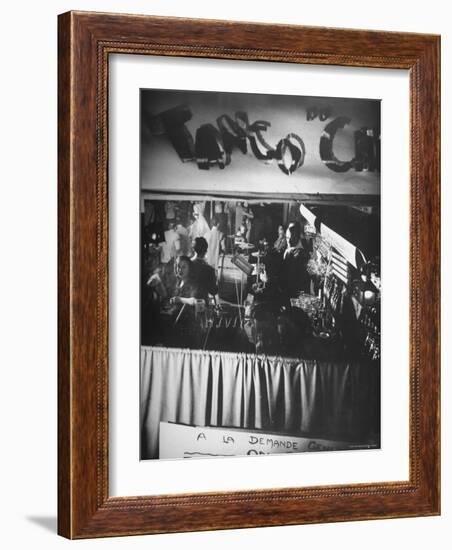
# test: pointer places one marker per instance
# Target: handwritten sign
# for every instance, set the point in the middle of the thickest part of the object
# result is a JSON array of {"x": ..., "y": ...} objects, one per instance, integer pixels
[{"x": 180, "y": 441}]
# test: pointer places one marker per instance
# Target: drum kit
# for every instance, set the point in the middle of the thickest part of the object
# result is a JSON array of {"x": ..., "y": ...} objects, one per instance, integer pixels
[
  {"x": 239, "y": 244},
  {"x": 241, "y": 249},
  {"x": 245, "y": 247}
]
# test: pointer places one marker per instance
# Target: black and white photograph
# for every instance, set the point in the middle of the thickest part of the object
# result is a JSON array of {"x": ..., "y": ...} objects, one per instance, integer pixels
[
  {"x": 226, "y": 267},
  {"x": 260, "y": 274}
]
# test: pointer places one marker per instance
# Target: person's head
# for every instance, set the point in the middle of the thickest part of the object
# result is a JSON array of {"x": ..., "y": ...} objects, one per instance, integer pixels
[
  {"x": 200, "y": 247},
  {"x": 183, "y": 267},
  {"x": 281, "y": 231},
  {"x": 293, "y": 234},
  {"x": 170, "y": 225}
]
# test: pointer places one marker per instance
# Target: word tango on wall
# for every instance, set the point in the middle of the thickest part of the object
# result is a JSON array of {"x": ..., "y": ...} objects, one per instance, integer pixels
[{"x": 215, "y": 144}]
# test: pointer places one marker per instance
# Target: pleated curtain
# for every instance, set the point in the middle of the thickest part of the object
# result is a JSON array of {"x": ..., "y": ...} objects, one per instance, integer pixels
[{"x": 291, "y": 396}]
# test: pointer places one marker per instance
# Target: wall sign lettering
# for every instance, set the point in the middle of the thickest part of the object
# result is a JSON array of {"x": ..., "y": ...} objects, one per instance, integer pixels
[{"x": 214, "y": 144}]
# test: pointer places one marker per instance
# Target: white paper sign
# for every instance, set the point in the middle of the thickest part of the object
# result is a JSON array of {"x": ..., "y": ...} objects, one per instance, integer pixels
[{"x": 180, "y": 441}]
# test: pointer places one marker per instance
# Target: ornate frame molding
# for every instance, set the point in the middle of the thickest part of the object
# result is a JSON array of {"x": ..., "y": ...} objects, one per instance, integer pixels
[{"x": 85, "y": 42}]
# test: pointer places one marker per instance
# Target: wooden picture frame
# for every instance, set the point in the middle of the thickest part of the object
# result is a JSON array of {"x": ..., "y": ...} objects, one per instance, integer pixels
[{"x": 85, "y": 508}]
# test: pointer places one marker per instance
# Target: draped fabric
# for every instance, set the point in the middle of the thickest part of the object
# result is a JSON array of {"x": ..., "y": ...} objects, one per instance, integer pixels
[
  {"x": 213, "y": 250},
  {"x": 200, "y": 227},
  {"x": 292, "y": 396}
]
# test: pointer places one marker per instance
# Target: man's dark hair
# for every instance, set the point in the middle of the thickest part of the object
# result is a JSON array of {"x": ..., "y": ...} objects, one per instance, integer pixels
[{"x": 200, "y": 246}]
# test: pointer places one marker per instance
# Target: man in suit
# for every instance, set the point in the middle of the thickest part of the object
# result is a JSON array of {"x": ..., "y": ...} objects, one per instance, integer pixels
[
  {"x": 204, "y": 275},
  {"x": 295, "y": 278}
]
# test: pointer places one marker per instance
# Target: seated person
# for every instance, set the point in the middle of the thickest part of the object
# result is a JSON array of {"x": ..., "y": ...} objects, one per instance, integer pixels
[
  {"x": 294, "y": 328},
  {"x": 280, "y": 244},
  {"x": 153, "y": 296},
  {"x": 295, "y": 278},
  {"x": 262, "y": 325},
  {"x": 186, "y": 291},
  {"x": 204, "y": 276},
  {"x": 274, "y": 327},
  {"x": 185, "y": 331}
]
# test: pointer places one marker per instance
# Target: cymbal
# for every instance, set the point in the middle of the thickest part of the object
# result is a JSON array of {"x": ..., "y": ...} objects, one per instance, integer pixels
[
  {"x": 248, "y": 246},
  {"x": 258, "y": 254}
]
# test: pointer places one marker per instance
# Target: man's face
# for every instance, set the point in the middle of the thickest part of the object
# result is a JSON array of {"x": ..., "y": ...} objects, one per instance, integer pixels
[
  {"x": 182, "y": 268},
  {"x": 291, "y": 237}
]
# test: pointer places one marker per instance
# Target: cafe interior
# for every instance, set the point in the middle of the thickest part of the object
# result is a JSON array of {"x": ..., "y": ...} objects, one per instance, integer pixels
[{"x": 287, "y": 340}]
